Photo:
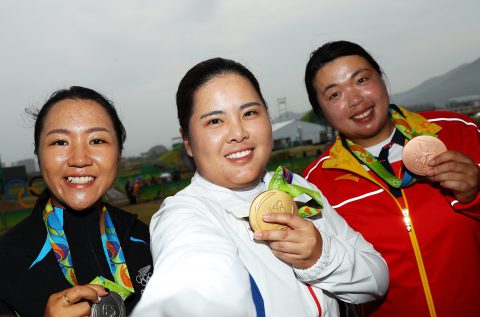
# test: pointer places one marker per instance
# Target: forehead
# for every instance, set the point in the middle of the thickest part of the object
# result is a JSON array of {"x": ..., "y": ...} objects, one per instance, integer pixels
[
  {"x": 341, "y": 68},
  {"x": 223, "y": 90},
  {"x": 68, "y": 113}
]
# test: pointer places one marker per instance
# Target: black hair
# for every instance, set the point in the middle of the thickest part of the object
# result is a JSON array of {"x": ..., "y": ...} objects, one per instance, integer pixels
[
  {"x": 81, "y": 93},
  {"x": 325, "y": 54},
  {"x": 198, "y": 76}
]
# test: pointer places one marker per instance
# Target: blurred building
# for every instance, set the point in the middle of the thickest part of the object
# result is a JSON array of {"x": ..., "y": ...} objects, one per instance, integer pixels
[
  {"x": 31, "y": 165},
  {"x": 293, "y": 133}
]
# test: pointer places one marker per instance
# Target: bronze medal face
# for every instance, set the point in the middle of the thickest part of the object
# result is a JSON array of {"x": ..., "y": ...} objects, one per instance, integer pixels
[
  {"x": 269, "y": 202},
  {"x": 111, "y": 305},
  {"x": 418, "y": 152}
]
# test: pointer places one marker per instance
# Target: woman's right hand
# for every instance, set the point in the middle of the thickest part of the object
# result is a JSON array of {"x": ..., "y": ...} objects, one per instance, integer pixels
[{"x": 75, "y": 301}]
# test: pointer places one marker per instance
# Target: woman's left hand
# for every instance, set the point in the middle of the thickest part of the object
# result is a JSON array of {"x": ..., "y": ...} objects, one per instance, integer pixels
[
  {"x": 456, "y": 172},
  {"x": 301, "y": 246}
]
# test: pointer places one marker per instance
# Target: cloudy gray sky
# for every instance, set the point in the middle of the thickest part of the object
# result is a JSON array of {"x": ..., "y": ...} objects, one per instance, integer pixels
[{"x": 135, "y": 52}]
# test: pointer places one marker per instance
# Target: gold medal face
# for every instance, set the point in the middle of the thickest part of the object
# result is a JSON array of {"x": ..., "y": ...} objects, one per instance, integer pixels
[
  {"x": 418, "y": 152},
  {"x": 270, "y": 201}
]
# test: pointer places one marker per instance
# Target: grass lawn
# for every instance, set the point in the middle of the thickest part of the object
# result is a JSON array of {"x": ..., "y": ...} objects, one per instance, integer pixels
[{"x": 144, "y": 211}]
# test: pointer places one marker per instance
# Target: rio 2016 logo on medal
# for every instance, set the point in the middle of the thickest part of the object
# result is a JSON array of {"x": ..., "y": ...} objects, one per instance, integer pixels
[{"x": 270, "y": 201}]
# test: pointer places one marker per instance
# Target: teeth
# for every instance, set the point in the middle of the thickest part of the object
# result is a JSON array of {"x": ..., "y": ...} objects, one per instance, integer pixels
[
  {"x": 80, "y": 180},
  {"x": 363, "y": 115},
  {"x": 239, "y": 154}
]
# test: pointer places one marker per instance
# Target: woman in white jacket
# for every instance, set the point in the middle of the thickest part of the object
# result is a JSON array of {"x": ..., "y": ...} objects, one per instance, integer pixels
[{"x": 207, "y": 260}]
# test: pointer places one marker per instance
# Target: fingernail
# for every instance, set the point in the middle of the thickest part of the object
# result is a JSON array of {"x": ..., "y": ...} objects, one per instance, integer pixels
[
  {"x": 257, "y": 235},
  {"x": 98, "y": 299},
  {"x": 266, "y": 217}
]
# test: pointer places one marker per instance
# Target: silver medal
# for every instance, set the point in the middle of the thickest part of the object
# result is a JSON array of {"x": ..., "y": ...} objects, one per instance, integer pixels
[{"x": 109, "y": 306}]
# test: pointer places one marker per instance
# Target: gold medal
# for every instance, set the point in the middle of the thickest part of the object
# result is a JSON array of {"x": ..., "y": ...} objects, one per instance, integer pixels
[
  {"x": 270, "y": 201},
  {"x": 418, "y": 152}
]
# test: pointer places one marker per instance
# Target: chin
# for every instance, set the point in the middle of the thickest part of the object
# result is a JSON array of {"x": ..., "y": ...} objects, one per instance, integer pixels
[
  {"x": 80, "y": 204},
  {"x": 247, "y": 182}
]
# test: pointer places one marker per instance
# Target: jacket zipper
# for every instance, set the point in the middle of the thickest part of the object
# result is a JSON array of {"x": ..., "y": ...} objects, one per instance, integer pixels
[{"x": 416, "y": 249}]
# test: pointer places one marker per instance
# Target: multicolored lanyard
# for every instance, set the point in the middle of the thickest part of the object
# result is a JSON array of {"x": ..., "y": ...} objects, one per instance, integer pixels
[
  {"x": 53, "y": 218},
  {"x": 371, "y": 161},
  {"x": 282, "y": 180}
]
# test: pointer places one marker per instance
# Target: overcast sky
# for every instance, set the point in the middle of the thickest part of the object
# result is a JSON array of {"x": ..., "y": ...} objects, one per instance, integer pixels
[{"x": 135, "y": 52}]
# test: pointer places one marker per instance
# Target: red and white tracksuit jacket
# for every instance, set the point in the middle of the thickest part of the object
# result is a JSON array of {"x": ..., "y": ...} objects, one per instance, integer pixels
[{"x": 434, "y": 267}]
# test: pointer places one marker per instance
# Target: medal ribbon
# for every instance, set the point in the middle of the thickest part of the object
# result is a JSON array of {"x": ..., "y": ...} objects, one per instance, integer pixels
[
  {"x": 371, "y": 161},
  {"x": 282, "y": 181},
  {"x": 53, "y": 218}
]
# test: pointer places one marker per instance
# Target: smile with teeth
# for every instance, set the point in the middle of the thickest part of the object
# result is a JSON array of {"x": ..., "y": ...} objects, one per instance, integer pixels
[
  {"x": 363, "y": 115},
  {"x": 238, "y": 155},
  {"x": 80, "y": 180}
]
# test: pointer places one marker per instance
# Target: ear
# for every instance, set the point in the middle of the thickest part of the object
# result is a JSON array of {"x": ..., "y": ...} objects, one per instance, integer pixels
[{"x": 186, "y": 142}]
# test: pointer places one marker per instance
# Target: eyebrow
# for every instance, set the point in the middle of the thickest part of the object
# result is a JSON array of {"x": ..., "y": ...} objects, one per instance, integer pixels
[
  {"x": 217, "y": 112},
  {"x": 65, "y": 131},
  {"x": 352, "y": 76}
]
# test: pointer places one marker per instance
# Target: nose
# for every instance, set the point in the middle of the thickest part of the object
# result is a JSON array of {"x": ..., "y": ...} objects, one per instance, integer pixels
[
  {"x": 356, "y": 97},
  {"x": 237, "y": 132},
  {"x": 79, "y": 156}
]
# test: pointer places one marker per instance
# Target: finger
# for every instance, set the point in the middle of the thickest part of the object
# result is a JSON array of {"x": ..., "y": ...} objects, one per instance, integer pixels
[
  {"x": 286, "y": 247},
  {"x": 287, "y": 257},
  {"x": 449, "y": 176},
  {"x": 456, "y": 186},
  {"x": 274, "y": 235},
  {"x": 293, "y": 259},
  {"x": 454, "y": 172},
  {"x": 83, "y": 292},
  {"x": 99, "y": 289},
  {"x": 452, "y": 166},
  {"x": 449, "y": 156},
  {"x": 290, "y": 220}
]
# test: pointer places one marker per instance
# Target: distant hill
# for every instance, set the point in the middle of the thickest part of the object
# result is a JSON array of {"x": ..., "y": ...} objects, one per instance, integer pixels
[{"x": 461, "y": 81}]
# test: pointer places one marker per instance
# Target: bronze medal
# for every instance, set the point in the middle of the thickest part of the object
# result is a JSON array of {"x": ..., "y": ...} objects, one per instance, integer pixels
[
  {"x": 270, "y": 201},
  {"x": 418, "y": 152}
]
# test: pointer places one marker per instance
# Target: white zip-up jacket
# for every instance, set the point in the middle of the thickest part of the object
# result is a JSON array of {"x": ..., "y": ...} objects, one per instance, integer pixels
[{"x": 204, "y": 255}]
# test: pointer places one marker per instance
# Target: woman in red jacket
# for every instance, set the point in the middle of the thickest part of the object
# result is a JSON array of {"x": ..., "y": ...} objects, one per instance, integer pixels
[{"x": 427, "y": 228}]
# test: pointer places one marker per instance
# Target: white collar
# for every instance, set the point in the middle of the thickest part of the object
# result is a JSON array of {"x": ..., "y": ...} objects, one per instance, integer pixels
[{"x": 237, "y": 202}]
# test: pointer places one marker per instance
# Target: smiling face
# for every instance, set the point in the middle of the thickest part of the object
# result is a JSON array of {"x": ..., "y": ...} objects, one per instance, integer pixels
[
  {"x": 354, "y": 100},
  {"x": 78, "y": 153},
  {"x": 230, "y": 135}
]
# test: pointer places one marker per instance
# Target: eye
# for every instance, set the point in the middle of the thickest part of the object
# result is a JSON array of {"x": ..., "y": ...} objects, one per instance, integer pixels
[
  {"x": 97, "y": 141},
  {"x": 333, "y": 95},
  {"x": 59, "y": 143},
  {"x": 250, "y": 113},
  {"x": 214, "y": 121},
  {"x": 362, "y": 80}
]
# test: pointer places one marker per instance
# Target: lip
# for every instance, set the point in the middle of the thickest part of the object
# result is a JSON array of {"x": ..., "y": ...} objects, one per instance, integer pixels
[
  {"x": 369, "y": 111},
  {"x": 82, "y": 180},
  {"x": 240, "y": 155}
]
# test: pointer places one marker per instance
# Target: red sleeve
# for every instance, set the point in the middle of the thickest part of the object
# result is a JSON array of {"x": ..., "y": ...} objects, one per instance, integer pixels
[{"x": 462, "y": 134}]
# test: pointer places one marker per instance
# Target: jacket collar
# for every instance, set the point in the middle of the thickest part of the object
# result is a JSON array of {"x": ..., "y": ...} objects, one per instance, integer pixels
[
  {"x": 341, "y": 158},
  {"x": 236, "y": 202}
]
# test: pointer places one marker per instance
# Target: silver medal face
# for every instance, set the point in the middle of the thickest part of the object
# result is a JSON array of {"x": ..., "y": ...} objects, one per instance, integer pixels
[{"x": 109, "y": 306}]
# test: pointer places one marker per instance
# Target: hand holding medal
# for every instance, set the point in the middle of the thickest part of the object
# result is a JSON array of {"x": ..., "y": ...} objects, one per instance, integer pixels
[
  {"x": 75, "y": 301},
  {"x": 428, "y": 156},
  {"x": 276, "y": 219}
]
